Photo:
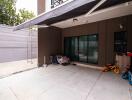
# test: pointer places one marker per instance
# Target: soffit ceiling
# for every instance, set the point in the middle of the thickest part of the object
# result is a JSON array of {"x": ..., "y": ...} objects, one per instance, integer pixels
[
  {"x": 73, "y": 9},
  {"x": 111, "y": 12},
  {"x": 82, "y": 10}
]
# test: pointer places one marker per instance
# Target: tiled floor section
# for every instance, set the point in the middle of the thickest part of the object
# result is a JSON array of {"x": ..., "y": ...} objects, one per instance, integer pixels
[
  {"x": 8, "y": 68},
  {"x": 58, "y": 82}
]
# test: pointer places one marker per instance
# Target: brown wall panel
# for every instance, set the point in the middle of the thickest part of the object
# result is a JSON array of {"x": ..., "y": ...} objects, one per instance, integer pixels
[
  {"x": 102, "y": 42},
  {"x": 81, "y": 30},
  {"x": 49, "y": 43},
  {"x": 129, "y": 28}
]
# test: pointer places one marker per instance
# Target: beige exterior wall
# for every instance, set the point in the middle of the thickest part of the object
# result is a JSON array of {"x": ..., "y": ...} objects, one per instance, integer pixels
[{"x": 41, "y": 6}]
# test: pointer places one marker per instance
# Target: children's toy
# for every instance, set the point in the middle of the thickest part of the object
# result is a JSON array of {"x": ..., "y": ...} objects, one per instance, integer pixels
[
  {"x": 130, "y": 77},
  {"x": 111, "y": 67}
]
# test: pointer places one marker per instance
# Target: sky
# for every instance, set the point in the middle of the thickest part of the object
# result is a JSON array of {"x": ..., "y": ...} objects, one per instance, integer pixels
[{"x": 30, "y": 5}]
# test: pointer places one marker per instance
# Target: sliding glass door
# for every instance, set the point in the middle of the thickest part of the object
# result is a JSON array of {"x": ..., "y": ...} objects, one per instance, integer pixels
[
  {"x": 93, "y": 49},
  {"x": 83, "y": 43},
  {"x": 82, "y": 48},
  {"x": 71, "y": 48},
  {"x": 74, "y": 48}
]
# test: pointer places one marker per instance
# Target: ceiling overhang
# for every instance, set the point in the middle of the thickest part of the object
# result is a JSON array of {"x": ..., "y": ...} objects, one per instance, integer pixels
[
  {"x": 72, "y": 9},
  {"x": 120, "y": 10}
]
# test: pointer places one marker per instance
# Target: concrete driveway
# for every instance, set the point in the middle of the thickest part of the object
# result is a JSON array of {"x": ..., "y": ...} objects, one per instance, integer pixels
[
  {"x": 8, "y": 68},
  {"x": 58, "y": 82}
]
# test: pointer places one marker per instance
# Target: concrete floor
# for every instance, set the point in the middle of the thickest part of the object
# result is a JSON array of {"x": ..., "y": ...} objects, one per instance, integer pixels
[
  {"x": 8, "y": 68},
  {"x": 58, "y": 82}
]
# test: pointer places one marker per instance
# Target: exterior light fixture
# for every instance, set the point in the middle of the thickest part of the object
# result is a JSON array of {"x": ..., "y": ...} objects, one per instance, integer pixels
[
  {"x": 121, "y": 26},
  {"x": 75, "y": 19}
]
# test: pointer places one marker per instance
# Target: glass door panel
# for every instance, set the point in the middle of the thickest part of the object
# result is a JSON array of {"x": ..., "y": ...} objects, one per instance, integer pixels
[
  {"x": 74, "y": 49},
  {"x": 83, "y": 48},
  {"x": 93, "y": 49}
]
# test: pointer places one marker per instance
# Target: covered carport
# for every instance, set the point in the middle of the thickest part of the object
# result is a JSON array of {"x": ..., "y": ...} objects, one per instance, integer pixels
[{"x": 82, "y": 15}]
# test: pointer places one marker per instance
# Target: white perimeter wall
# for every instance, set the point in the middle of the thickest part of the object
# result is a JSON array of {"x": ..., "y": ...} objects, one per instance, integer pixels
[{"x": 13, "y": 44}]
